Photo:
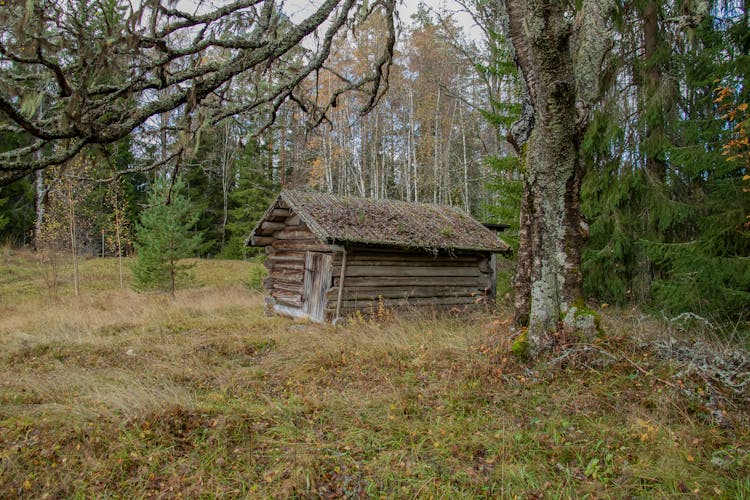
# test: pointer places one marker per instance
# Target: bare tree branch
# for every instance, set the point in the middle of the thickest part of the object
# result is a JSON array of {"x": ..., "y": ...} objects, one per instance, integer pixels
[{"x": 100, "y": 78}]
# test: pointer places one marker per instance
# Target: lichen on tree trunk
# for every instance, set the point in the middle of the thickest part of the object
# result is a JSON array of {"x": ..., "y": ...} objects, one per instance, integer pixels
[{"x": 559, "y": 51}]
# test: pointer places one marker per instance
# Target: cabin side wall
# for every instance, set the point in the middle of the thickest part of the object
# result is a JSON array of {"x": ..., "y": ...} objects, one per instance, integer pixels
[
  {"x": 396, "y": 278},
  {"x": 288, "y": 240}
]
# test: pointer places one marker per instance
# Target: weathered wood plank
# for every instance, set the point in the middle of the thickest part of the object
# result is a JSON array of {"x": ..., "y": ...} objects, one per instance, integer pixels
[
  {"x": 268, "y": 226},
  {"x": 279, "y": 214},
  {"x": 301, "y": 245},
  {"x": 316, "y": 283},
  {"x": 384, "y": 281},
  {"x": 294, "y": 233},
  {"x": 358, "y": 270},
  {"x": 292, "y": 221},
  {"x": 408, "y": 257},
  {"x": 416, "y": 302},
  {"x": 391, "y": 292},
  {"x": 411, "y": 262}
]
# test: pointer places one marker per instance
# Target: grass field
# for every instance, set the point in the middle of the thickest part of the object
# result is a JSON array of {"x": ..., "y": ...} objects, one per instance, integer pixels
[{"x": 119, "y": 394}]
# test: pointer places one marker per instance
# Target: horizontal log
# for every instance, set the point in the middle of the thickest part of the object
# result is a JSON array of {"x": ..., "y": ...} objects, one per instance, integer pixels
[
  {"x": 297, "y": 265},
  {"x": 357, "y": 270},
  {"x": 410, "y": 262},
  {"x": 287, "y": 257},
  {"x": 292, "y": 221},
  {"x": 261, "y": 241},
  {"x": 377, "y": 281},
  {"x": 393, "y": 292},
  {"x": 415, "y": 302},
  {"x": 288, "y": 298},
  {"x": 294, "y": 233},
  {"x": 290, "y": 303},
  {"x": 301, "y": 245},
  {"x": 287, "y": 274},
  {"x": 286, "y": 286},
  {"x": 268, "y": 227},
  {"x": 408, "y": 257},
  {"x": 279, "y": 214}
]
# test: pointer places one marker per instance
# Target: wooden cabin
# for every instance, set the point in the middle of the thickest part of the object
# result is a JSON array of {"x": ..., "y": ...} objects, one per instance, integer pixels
[{"x": 329, "y": 256}]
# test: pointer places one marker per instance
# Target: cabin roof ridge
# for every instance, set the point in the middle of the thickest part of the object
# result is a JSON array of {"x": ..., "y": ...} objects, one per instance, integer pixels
[{"x": 349, "y": 219}]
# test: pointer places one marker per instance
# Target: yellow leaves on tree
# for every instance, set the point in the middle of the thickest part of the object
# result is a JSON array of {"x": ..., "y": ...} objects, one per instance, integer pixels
[{"x": 738, "y": 146}]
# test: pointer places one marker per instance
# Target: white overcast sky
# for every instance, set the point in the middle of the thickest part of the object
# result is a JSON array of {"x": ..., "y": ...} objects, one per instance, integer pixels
[{"x": 298, "y": 9}]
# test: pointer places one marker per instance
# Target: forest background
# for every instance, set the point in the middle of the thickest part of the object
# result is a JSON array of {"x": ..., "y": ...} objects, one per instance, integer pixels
[{"x": 665, "y": 193}]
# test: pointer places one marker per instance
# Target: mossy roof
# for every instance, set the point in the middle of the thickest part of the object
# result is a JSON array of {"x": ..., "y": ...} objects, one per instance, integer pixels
[{"x": 352, "y": 219}]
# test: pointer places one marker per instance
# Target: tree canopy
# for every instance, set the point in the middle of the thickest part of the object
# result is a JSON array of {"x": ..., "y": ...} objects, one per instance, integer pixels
[{"x": 77, "y": 73}]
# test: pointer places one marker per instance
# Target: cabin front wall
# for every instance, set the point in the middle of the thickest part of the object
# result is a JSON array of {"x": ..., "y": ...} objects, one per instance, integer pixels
[
  {"x": 298, "y": 265},
  {"x": 391, "y": 278}
]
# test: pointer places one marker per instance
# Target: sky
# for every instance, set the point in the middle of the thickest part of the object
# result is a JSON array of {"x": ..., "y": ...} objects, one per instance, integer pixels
[{"x": 297, "y": 9}]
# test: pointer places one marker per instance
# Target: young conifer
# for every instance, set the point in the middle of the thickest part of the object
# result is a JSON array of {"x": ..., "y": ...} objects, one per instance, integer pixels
[{"x": 164, "y": 236}]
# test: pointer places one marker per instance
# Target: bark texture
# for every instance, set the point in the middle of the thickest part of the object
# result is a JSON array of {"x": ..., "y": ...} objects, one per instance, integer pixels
[{"x": 559, "y": 52}]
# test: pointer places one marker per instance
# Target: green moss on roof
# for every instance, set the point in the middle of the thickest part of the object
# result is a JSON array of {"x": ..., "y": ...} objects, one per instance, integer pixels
[{"x": 351, "y": 219}]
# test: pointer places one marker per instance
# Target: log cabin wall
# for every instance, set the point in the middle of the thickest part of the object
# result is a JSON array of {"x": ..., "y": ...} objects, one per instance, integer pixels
[
  {"x": 288, "y": 241},
  {"x": 399, "y": 278},
  {"x": 378, "y": 247}
]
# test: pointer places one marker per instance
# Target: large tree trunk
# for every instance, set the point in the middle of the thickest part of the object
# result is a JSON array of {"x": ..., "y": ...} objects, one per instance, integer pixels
[
  {"x": 650, "y": 82},
  {"x": 559, "y": 60},
  {"x": 553, "y": 190}
]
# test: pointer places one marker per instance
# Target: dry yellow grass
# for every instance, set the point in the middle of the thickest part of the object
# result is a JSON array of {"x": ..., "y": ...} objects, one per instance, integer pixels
[{"x": 129, "y": 395}]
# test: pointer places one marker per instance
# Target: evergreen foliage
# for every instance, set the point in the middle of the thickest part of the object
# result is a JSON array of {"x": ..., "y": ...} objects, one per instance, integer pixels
[
  {"x": 165, "y": 235},
  {"x": 506, "y": 183},
  {"x": 249, "y": 200},
  {"x": 672, "y": 235},
  {"x": 17, "y": 212},
  {"x": 3, "y": 217}
]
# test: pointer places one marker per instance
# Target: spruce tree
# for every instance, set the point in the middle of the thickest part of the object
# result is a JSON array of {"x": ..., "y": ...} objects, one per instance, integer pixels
[
  {"x": 164, "y": 236},
  {"x": 3, "y": 218},
  {"x": 672, "y": 236},
  {"x": 249, "y": 200}
]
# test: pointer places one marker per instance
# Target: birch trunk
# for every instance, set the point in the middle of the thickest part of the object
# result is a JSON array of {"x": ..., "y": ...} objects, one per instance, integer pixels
[
  {"x": 467, "y": 202},
  {"x": 72, "y": 230},
  {"x": 39, "y": 195},
  {"x": 435, "y": 153}
]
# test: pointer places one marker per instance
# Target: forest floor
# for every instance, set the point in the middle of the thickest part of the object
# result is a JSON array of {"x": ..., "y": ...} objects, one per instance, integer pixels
[{"x": 119, "y": 394}]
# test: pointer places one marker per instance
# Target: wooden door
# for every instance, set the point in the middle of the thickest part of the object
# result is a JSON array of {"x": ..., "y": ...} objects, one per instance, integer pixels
[{"x": 316, "y": 284}]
